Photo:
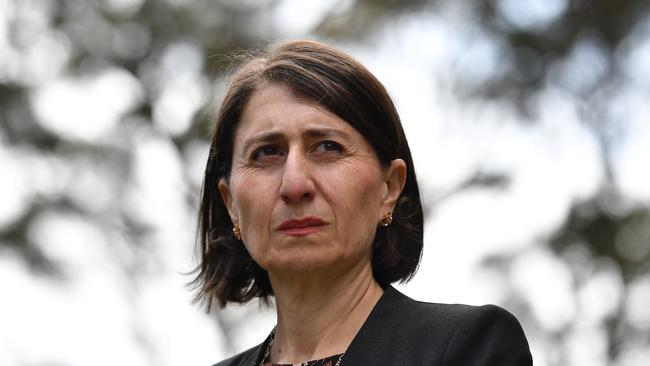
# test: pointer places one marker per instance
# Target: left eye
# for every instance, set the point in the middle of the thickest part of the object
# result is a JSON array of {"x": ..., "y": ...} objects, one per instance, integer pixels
[{"x": 328, "y": 147}]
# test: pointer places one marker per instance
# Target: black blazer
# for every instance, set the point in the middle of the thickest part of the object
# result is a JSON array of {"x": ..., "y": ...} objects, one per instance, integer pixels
[{"x": 402, "y": 331}]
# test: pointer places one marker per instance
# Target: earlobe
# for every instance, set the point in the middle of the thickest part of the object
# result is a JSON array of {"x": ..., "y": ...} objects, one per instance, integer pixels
[{"x": 226, "y": 197}]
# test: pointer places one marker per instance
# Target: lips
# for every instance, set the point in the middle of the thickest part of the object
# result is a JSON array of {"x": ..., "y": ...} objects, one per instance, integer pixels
[{"x": 301, "y": 227}]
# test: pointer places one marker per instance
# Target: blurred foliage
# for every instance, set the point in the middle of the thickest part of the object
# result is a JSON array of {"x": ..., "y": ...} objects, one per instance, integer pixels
[
  {"x": 624, "y": 238},
  {"x": 102, "y": 34},
  {"x": 534, "y": 51}
]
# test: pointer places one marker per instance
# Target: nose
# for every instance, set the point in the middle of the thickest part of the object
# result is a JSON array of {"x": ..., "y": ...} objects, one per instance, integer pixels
[{"x": 297, "y": 184}]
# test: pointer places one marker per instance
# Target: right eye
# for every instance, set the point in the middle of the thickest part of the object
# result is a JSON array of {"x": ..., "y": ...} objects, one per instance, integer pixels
[{"x": 265, "y": 152}]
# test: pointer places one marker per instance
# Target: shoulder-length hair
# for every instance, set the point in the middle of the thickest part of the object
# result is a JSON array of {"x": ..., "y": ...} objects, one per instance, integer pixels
[{"x": 327, "y": 76}]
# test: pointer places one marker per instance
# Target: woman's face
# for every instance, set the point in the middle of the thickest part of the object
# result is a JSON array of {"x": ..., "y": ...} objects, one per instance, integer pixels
[{"x": 306, "y": 189}]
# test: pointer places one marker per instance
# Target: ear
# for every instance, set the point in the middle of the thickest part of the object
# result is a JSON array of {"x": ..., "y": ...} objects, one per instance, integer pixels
[
  {"x": 226, "y": 197},
  {"x": 395, "y": 179}
]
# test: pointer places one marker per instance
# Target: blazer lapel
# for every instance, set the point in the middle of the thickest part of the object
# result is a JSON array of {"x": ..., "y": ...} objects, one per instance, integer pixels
[{"x": 371, "y": 340}]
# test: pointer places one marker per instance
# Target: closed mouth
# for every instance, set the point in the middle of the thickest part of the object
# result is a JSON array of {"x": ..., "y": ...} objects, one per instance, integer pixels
[{"x": 301, "y": 227}]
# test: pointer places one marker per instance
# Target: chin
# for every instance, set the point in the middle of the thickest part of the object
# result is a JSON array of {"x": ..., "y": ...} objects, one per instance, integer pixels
[{"x": 299, "y": 261}]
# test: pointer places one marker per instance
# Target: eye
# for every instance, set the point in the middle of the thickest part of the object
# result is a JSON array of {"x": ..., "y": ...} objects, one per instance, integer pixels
[
  {"x": 264, "y": 152},
  {"x": 328, "y": 147}
]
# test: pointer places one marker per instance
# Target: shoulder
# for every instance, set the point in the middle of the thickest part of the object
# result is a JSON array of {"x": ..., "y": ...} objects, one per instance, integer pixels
[
  {"x": 492, "y": 333},
  {"x": 451, "y": 316},
  {"x": 397, "y": 307},
  {"x": 447, "y": 334},
  {"x": 455, "y": 318},
  {"x": 248, "y": 357}
]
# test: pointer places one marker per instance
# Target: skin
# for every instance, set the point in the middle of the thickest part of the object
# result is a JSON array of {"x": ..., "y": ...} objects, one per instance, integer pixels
[{"x": 294, "y": 159}]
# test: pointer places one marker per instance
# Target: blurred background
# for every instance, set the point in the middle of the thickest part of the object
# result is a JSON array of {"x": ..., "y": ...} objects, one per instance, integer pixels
[{"x": 529, "y": 122}]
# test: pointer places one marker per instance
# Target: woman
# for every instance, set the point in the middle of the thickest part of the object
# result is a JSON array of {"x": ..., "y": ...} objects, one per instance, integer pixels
[{"x": 310, "y": 196}]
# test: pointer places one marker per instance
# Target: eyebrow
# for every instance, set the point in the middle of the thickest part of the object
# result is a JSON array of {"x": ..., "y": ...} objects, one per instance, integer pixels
[
  {"x": 265, "y": 137},
  {"x": 326, "y": 132}
]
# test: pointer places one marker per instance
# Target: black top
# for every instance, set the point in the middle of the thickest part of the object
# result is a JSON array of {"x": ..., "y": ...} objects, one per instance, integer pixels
[{"x": 402, "y": 331}]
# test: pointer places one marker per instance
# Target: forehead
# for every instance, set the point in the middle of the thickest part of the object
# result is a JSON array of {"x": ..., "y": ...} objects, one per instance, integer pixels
[{"x": 275, "y": 108}]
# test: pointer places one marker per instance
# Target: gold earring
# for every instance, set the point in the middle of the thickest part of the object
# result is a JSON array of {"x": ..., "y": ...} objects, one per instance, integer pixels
[
  {"x": 237, "y": 232},
  {"x": 387, "y": 219}
]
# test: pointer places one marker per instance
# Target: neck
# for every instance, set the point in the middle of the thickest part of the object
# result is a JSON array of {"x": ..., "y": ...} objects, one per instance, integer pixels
[{"x": 320, "y": 316}]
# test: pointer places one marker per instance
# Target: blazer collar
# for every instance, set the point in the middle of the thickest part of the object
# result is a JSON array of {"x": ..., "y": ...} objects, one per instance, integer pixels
[
  {"x": 375, "y": 326},
  {"x": 389, "y": 302}
]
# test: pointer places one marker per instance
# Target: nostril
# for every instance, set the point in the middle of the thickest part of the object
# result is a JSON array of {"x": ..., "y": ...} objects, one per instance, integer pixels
[{"x": 297, "y": 190}]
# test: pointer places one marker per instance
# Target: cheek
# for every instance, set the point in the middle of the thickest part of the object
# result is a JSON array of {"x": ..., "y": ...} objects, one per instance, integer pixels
[
  {"x": 366, "y": 187},
  {"x": 253, "y": 201},
  {"x": 358, "y": 194}
]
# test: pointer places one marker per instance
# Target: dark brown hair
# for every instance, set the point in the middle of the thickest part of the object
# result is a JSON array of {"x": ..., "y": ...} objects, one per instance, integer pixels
[{"x": 325, "y": 75}]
